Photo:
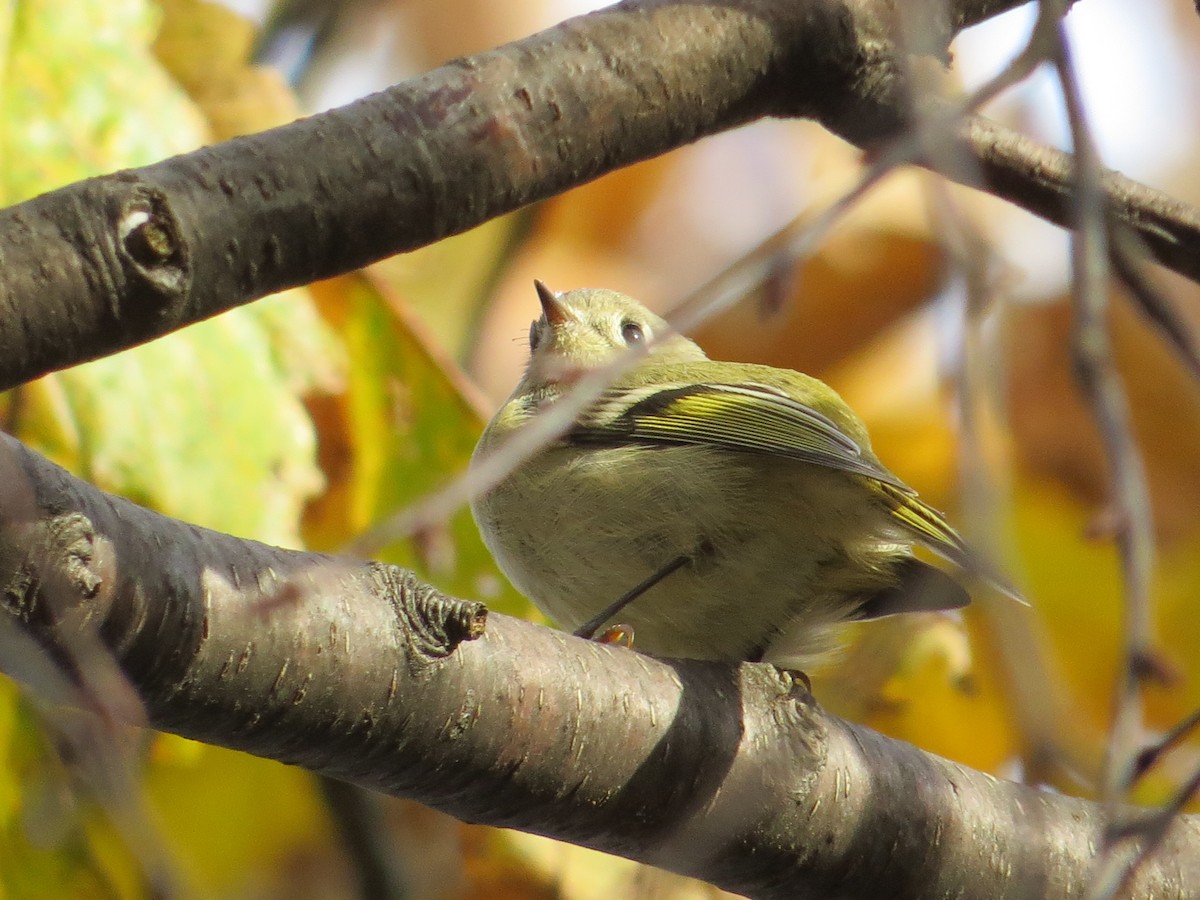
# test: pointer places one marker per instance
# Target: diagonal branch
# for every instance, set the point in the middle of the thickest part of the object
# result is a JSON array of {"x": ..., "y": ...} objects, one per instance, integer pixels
[
  {"x": 114, "y": 261},
  {"x": 1039, "y": 179},
  {"x": 357, "y": 670}
]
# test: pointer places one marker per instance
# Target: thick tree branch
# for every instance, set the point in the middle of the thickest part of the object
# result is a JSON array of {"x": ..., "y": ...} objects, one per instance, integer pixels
[
  {"x": 111, "y": 261},
  {"x": 356, "y": 670},
  {"x": 1040, "y": 179},
  {"x": 114, "y": 261},
  {"x": 971, "y": 12}
]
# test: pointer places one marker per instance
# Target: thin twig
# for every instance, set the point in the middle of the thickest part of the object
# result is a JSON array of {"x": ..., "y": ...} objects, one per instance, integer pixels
[
  {"x": 589, "y": 628},
  {"x": 794, "y": 241},
  {"x": 1115, "y": 871},
  {"x": 1029, "y": 671},
  {"x": 371, "y": 847},
  {"x": 721, "y": 292},
  {"x": 800, "y": 237},
  {"x": 1102, "y": 384},
  {"x": 1037, "y": 178},
  {"x": 1128, "y": 262},
  {"x": 1150, "y": 755}
]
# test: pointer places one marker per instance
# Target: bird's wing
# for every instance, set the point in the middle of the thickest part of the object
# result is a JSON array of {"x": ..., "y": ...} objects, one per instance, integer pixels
[
  {"x": 746, "y": 417},
  {"x": 755, "y": 418},
  {"x": 758, "y": 419}
]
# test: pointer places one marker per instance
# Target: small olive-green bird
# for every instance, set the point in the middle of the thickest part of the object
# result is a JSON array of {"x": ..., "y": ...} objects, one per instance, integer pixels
[{"x": 717, "y": 510}]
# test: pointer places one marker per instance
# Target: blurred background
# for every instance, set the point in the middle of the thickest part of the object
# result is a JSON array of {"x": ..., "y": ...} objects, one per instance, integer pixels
[{"x": 330, "y": 408}]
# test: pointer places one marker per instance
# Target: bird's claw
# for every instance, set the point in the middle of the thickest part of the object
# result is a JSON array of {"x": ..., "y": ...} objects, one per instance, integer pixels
[{"x": 621, "y": 635}]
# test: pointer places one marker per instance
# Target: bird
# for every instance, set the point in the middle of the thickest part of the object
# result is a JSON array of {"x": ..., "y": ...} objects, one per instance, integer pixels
[{"x": 713, "y": 510}]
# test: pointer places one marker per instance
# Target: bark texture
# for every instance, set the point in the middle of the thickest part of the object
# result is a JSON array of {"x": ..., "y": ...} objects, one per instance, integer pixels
[
  {"x": 111, "y": 262},
  {"x": 732, "y": 774}
]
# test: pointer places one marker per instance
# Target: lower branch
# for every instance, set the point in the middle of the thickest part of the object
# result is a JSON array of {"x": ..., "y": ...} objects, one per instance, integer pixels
[{"x": 732, "y": 774}]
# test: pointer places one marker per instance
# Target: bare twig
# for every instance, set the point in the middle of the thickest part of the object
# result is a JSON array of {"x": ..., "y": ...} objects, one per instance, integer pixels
[
  {"x": 923, "y": 143},
  {"x": 1145, "y": 833},
  {"x": 1039, "y": 698},
  {"x": 1038, "y": 178},
  {"x": 1150, "y": 755},
  {"x": 796, "y": 239},
  {"x": 1145, "y": 830},
  {"x": 1129, "y": 264},
  {"x": 370, "y": 846},
  {"x": 1102, "y": 384}
]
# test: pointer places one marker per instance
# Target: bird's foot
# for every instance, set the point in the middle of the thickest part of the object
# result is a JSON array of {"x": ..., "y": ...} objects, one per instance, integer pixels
[{"x": 621, "y": 635}]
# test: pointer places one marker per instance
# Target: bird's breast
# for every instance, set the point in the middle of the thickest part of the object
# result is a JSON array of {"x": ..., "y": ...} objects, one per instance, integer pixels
[{"x": 577, "y": 527}]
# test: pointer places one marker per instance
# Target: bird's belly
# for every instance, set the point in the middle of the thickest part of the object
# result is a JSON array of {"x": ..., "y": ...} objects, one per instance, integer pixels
[{"x": 772, "y": 546}]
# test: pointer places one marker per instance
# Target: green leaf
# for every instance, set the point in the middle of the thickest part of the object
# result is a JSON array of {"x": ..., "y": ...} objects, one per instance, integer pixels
[
  {"x": 208, "y": 424},
  {"x": 205, "y": 425},
  {"x": 408, "y": 424},
  {"x": 83, "y": 95}
]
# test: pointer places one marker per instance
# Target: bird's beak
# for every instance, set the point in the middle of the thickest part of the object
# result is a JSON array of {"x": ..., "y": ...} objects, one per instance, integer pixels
[{"x": 555, "y": 312}]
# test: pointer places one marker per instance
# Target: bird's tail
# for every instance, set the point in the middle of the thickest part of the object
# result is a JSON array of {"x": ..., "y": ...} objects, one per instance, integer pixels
[{"x": 930, "y": 528}]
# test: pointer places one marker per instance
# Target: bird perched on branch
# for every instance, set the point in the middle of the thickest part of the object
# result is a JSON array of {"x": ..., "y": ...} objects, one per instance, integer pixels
[{"x": 717, "y": 510}]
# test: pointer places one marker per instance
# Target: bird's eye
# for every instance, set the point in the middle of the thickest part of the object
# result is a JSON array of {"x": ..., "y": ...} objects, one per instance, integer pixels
[
  {"x": 631, "y": 333},
  {"x": 535, "y": 335}
]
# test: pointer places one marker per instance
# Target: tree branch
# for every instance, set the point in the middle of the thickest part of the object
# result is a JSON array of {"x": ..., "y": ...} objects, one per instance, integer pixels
[
  {"x": 1040, "y": 179},
  {"x": 356, "y": 670},
  {"x": 110, "y": 262}
]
